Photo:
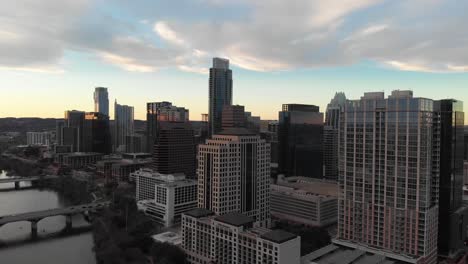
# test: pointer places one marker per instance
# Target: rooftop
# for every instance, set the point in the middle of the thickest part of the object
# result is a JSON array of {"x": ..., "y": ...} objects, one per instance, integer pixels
[
  {"x": 235, "y": 219},
  {"x": 334, "y": 254},
  {"x": 278, "y": 236},
  {"x": 314, "y": 186},
  {"x": 236, "y": 131},
  {"x": 199, "y": 212}
]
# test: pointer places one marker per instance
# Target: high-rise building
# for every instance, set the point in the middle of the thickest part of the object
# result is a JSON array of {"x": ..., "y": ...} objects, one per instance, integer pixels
[
  {"x": 330, "y": 136},
  {"x": 234, "y": 173},
  {"x": 233, "y": 116},
  {"x": 74, "y": 134},
  {"x": 388, "y": 199},
  {"x": 300, "y": 141},
  {"x": 97, "y": 136},
  {"x": 101, "y": 101},
  {"x": 332, "y": 115},
  {"x": 220, "y": 92},
  {"x": 466, "y": 144},
  {"x": 448, "y": 163},
  {"x": 162, "y": 111},
  {"x": 123, "y": 125},
  {"x": 174, "y": 149},
  {"x": 330, "y": 152}
]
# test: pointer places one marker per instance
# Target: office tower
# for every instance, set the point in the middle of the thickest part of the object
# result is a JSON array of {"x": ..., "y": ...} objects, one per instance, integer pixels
[
  {"x": 300, "y": 141},
  {"x": 74, "y": 121},
  {"x": 59, "y": 125},
  {"x": 233, "y": 116},
  {"x": 330, "y": 152},
  {"x": 330, "y": 136},
  {"x": 101, "y": 101},
  {"x": 234, "y": 173},
  {"x": 332, "y": 115},
  {"x": 123, "y": 125},
  {"x": 466, "y": 144},
  {"x": 252, "y": 122},
  {"x": 162, "y": 111},
  {"x": 97, "y": 136},
  {"x": 173, "y": 196},
  {"x": 174, "y": 149},
  {"x": 448, "y": 163},
  {"x": 388, "y": 189},
  {"x": 220, "y": 92}
]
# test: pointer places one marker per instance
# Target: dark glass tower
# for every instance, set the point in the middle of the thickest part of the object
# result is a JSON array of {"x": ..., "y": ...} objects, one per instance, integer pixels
[
  {"x": 174, "y": 150},
  {"x": 97, "y": 136},
  {"x": 449, "y": 120},
  {"x": 220, "y": 93},
  {"x": 300, "y": 141},
  {"x": 75, "y": 119}
]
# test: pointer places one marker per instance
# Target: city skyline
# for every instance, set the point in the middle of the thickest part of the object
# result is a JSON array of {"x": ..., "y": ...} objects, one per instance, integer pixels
[{"x": 159, "y": 51}]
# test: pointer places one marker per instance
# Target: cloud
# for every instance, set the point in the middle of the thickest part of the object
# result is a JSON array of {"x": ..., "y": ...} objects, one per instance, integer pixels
[{"x": 261, "y": 35}]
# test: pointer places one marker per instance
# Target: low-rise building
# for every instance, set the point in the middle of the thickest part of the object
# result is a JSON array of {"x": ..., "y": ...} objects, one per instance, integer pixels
[
  {"x": 78, "y": 160},
  {"x": 231, "y": 238},
  {"x": 165, "y": 197},
  {"x": 39, "y": 138},
  {"x": 305, "y": 200},
  {"x": 122, "y": 169},
  {"x": 168, "y": 237}
]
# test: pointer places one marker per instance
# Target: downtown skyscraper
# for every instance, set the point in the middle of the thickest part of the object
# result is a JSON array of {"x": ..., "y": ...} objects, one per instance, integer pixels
[
  {"x": 220, "y": 93},
  {"x": 389, "y": 185},
  {"x": 300, "y": 141},
  {"x": 234, "y": 175},
  {"x": 101, "y": 101},
  {"x": 330, "y": 136},
  {"x": 162, "y": 112},
  {"x": 123, "y": 125}
]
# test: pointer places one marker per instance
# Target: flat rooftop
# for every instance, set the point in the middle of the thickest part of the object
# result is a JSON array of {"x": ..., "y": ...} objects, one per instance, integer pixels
[
  {"x": 235, "y": 219},
  {"x": 336, "y": 254},
  {"x": 199, "y": 212},
  {"x": 315, "y": 186},
  {"x": 278, "y": 236}
]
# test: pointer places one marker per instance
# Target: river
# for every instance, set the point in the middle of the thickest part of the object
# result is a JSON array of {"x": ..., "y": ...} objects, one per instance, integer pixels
[{"x": 49, "y": 247}]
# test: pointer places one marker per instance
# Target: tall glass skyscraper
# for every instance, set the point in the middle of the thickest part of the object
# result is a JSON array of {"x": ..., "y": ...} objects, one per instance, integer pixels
[
  {"x": 220, "y": 92},
  {"x": 330, "y": 136},
  {"x": 123, "y": 125},
  {"x": 101, "y": 101},
  {"x": 162, "y": 112},
  {"x": 300, "y": 141},
  {"x": 389, "y": 185},
  {"x": 449, "y": 120}
]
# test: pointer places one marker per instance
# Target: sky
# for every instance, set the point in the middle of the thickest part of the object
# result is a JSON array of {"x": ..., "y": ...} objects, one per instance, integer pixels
[{"x": 54, "y": 52}]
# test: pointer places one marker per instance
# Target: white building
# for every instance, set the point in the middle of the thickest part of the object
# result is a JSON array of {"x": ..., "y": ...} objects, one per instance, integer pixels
[
  {"x": 232, "y": 239},
  {"x": 233, "y": 175},
  {"x": 164, "y": 197},
  {"x": 305, "y": 200},
  {"x": 168, "y": 237},
  {"x": 39, "y": 138}
]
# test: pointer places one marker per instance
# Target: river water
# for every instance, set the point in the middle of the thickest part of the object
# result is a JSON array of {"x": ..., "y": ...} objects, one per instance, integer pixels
[{"x": 16, "y": 245}]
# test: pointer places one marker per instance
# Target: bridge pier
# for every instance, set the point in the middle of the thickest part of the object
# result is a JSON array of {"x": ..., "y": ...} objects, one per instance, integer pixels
[
  {"x": 34, "y": 228},
  {"x": 17, "y": 185},
  {"x": 69, "y": 222}
]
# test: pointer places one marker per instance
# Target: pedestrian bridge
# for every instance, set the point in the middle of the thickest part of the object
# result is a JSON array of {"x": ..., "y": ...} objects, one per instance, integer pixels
[{"x": 35, "y": 217}]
